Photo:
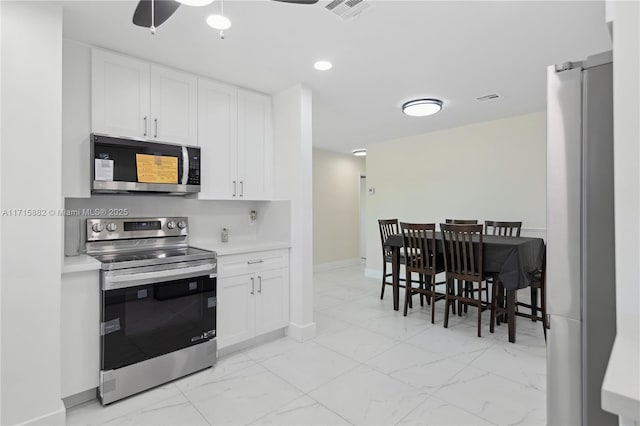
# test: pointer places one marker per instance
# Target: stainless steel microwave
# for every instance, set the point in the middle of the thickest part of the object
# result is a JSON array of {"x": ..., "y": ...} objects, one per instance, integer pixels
[{"x": 120, "y": 166}]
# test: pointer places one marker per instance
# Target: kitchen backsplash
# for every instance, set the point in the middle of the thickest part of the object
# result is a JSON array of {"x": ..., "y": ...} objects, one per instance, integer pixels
[{"x": 206, "y": 218}]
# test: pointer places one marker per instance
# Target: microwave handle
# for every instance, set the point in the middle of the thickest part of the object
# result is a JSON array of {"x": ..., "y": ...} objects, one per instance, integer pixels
[
  {"x": 142, "y": 278},
  {"x": 185, "y": 165}
]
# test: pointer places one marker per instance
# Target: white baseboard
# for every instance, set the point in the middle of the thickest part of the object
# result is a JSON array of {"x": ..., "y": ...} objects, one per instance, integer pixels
[
  {"x": 302, "y": 333},
  {"x": 320, "y": 267},
  {"x": 254, "y": 341},
  {"x": 80, "y": 398},
  {"x": 55, "y": 418}
]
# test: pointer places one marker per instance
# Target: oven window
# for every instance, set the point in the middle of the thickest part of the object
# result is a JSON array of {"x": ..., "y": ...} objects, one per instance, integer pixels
[{"x": 143, "y": 322}]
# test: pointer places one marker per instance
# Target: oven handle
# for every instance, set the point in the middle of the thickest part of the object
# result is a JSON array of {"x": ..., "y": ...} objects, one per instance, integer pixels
[{"x": 142, "y": 278}]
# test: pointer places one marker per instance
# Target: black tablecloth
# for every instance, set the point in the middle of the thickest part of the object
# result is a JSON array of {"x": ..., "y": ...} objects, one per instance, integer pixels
[{"x": 514, "y": 259}]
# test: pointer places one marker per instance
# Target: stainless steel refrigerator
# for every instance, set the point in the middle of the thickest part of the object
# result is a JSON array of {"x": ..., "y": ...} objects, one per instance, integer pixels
[{"x": 580, "y": 239}]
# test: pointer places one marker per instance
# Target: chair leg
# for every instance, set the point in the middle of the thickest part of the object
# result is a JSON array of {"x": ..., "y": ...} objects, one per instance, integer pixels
[
  {"x": 384, "y": 277},
  {"x": 421, "y": 278},
  {"x": 479, "y": 308},
  {"x": 433, "y": 305},
  {"x": 492, "y": 319},
  {"x": 534, "y": 304},
  {"x": 407, "y": 297},
  {"x": 447, "y": 297}
]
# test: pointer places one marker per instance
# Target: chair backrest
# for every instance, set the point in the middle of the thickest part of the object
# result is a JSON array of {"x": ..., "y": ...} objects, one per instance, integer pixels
[
  {"x": 419, "y": 247},
  {"x": 387, "y": 227},
  {"x": 506, "y": 229},
  {"x": 462, "y": 258},
  {"x": 462, "y": 221}
]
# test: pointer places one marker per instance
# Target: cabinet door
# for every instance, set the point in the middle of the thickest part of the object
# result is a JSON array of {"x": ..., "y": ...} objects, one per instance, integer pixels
[
  {"x": 236, "y": 309},
  {"x": 272, "y": 302},
  {"x": 217, "y": 135},
  {"x": 119, "y": 95},
  {"x": 255, "y": 158},
  {"x": 174, "y": 103},
  {"x": 80, "y": 332}
]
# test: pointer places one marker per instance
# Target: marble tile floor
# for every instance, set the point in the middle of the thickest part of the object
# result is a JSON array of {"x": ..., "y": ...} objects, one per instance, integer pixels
[{"x": 367, "y": 365}]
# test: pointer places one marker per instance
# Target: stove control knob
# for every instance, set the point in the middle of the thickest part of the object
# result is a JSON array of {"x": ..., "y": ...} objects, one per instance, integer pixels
[
  {"x": 171, "y": 224},
  {"x": 182, "y": 224},
  {"x": 111, "y": 227},
  {"x": 97, "y": 227}
]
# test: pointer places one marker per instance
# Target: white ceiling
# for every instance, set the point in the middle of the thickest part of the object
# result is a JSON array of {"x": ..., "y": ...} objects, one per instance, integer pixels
[{"x": 396, "y": 51}]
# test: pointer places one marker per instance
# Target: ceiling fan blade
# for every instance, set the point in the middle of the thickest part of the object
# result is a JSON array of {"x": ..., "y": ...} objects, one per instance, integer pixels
[
  {"x": 299, "y": 1},
  {"x": 163, "y": 10}
]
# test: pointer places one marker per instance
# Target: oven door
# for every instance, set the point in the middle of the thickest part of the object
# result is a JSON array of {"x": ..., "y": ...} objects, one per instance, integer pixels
[{"x": 151, "y": 311}]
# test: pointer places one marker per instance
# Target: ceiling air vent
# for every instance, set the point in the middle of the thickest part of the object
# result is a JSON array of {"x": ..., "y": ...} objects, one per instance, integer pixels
[
  {"x": 347, "y": 9},
  {"x": 489, "y": 98}
]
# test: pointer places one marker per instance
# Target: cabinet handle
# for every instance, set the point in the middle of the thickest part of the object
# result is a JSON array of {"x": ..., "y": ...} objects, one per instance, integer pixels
[
  {"x": 259, "y": 284},
  {"x": 253, "y": 262},
  {"x": 156, "y": 130},
  {"x": 234, "y": 188},
  {"x": 145, "y": 125},
  {"x": 241, "y": 188},
  {"x": 252, "y": 285}
]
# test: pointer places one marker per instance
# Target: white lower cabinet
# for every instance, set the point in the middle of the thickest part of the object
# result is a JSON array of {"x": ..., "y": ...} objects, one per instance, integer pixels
[
  {"x": 80, "y": 332},
  {"x": 254, "y": 300}
]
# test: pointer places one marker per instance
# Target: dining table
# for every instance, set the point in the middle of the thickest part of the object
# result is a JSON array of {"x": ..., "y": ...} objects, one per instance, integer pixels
[{"x": 512, "y": 260}]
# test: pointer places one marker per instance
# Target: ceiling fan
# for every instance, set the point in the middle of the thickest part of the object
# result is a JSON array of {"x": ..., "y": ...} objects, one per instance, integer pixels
[{"x": 153, "y": 13}]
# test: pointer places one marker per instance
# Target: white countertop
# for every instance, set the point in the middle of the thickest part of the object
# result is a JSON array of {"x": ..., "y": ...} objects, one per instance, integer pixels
[
  {"x": 83, "y": 262},
  {"x": 621, "y": 384},
  {"x": 238, "y": 246},
  {"x": 80, "y": 263}
]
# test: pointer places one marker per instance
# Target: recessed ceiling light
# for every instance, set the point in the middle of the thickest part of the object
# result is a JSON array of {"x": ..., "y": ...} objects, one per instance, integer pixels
[
  {"x": 360, "y": 152},
  {"x": 219, "y": 22},
  {"x": 422, "y": 107},
  {"x": 323, "y": 65},
  {"x": 195, "y": 2}
]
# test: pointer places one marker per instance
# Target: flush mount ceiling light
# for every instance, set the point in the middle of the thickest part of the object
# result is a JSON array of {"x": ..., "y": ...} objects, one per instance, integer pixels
[
  {"x": 196, "y": 3},
  {"x": 360, "y": 152},
  {"x": 422, "y": 107},
  {"x": 323, "y": 65},
  {"x": 219, "y": 22}
]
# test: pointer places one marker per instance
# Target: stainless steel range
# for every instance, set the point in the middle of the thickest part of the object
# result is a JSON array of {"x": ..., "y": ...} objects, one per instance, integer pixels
[{"x": 158, "y": 303}]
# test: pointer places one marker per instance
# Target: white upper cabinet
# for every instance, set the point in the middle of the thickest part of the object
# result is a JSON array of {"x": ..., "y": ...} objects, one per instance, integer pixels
[
  {"x": 255, "y": 157},
  {"x": 131, "y": 98},
  {"x": 234, "y": 132},
  {"x": 174, "y": 106},
  {"x": 119, "y": 95},
  {"x": 217, "y": 136}
]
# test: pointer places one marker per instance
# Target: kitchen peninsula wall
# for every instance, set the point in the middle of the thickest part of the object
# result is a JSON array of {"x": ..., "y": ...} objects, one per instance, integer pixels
[{"x": 206, "y": 218}]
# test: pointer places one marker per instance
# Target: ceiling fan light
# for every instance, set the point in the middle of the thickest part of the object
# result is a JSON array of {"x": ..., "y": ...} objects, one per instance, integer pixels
[
  {"x": 219, "y": 22},
  {"x": 360, "y": 152},
  {"x": 196, "y": 3},
  {"x": 422, "y": 107}
]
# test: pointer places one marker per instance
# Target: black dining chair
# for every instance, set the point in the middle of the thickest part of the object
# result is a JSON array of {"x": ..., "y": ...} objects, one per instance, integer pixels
[
  {"x": 463, "y": 263},
  {"x": 505, "y": 229},
  {"x": 538, "y": 283},
  {"x": 461, "y": 221},
  {"x": 421, "y": 258},
  {"x": 387, "y": 227}
]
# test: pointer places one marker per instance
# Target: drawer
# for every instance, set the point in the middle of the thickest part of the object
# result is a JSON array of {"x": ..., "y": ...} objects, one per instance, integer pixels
[{"x": 247, "y": 263}]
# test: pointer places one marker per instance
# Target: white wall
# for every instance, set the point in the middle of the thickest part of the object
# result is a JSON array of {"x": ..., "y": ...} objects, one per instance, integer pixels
[
  {"x": 31, "y": 179},
  {"x": 336, "y": 206},
  {"x": 293, "y": 181},
  {"x": 494, "y": 170}
]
